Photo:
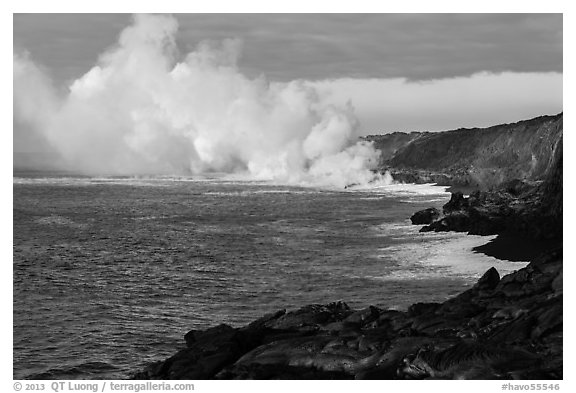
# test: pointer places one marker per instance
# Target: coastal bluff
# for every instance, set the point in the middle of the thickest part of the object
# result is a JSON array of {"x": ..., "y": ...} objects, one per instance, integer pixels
[{"x": 474, "y": 158}]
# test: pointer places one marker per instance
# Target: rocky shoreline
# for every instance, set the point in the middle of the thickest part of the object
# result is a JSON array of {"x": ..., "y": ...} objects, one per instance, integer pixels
[
  {"x": 507, "y": 327},
  {"x": 502, "y": 328}
]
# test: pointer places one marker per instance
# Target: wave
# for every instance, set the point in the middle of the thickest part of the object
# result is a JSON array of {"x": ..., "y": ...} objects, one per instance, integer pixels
[{"x": 444, "y": 254}]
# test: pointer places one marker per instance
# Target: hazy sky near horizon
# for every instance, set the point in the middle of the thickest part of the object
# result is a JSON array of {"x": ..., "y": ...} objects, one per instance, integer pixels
[{"x": 401, "y": 72}]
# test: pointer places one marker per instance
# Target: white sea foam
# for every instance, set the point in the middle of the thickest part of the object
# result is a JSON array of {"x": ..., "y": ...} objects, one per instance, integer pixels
[
  {"x": 444, "y": 254},
  {"x": 410, "y": 190}
]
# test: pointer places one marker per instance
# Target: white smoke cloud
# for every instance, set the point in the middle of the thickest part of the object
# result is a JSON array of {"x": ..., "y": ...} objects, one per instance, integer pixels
[
  {"x": 142, "y": 111},
  {"x": 34, "y": 95}
]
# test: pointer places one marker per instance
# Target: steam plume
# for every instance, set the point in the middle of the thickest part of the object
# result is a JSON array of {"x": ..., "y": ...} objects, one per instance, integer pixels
[{"x": 146, "y": 109}]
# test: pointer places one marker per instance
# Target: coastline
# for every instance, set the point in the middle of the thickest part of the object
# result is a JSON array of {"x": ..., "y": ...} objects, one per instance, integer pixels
[
  {"x": 506, "y": 327},
  {"x": 359, "y": 283},
  {"x": 502, "y": 328},
  {"x": 326, "y": 326}
]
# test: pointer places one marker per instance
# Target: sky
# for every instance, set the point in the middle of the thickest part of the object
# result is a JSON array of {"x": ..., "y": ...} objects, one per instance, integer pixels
[
  {"x": 312, "y": 46},
  {"x": 395, "y": 72},
  {"x": 396, "y": 59}
]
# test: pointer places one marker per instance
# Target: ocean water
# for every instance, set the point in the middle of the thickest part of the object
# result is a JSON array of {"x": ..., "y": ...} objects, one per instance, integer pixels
[{"x": 110, "y": 273}]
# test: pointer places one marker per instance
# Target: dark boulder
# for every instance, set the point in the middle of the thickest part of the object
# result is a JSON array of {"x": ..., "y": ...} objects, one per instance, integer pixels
[
  {"x": 485, "y": 225},
  {"x": 426, "y": 216},
  {"x": 207, "y": 353},
  {"x": 489, "y": 280},
  {"x": 457, "y": 202},
  {"x": 422, "y": 308},
  {"x": 362, "y": 317},
  {"x": 266, "y": 320},
  {"x": 310, "y": 317},
  {"x": 217, "y": 333}
]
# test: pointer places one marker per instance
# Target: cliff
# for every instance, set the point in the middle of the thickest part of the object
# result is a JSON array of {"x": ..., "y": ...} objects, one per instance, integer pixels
[
  {"x": 390, "y": 144},
  {"x": 532, "y": 211},
  {"x": 479, "y": 158}
]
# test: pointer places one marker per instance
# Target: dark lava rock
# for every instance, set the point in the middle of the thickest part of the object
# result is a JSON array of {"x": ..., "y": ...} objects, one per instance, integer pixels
[
  {"x": 467, "y": 360},
  {"x": 490, "y": 213},
  {"x": 457, "y": 202},
  {"x": 275, "y": 371},
  {"x": 217, "y": 333},
  {"x": 457, "y": 221},
  {"x": 311, "y": 316},
  {"x": 219, "y": 347},
  {"x": 364, "y": 316},
  {"x": 530, "y": 209},
  {"x": 422, "y": 308},
  {"x": 425, "y": 216},
  {"x": 266, "y": 320},
  {"x": 489, "y": 280}
]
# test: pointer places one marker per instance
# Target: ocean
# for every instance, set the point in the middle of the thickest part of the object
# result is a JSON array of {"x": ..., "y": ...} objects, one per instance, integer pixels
[{"x": 110, "y": 273}]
